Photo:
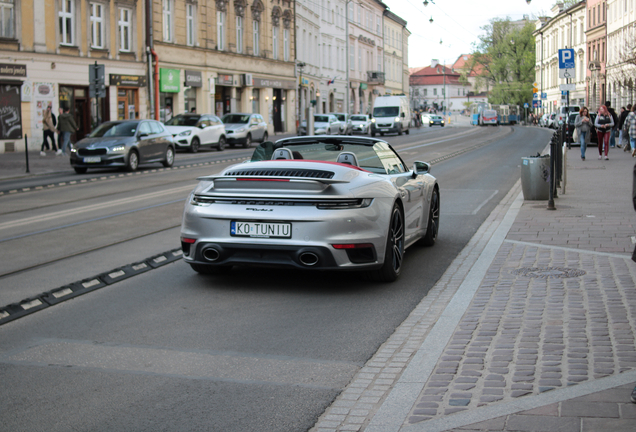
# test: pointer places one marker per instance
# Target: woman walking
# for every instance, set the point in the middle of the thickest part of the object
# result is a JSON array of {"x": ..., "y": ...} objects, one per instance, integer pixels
[
  {"x": 583, "y": 127},
  {"x": 631, "y": 121},
  {"x": 604, "y": 124}
]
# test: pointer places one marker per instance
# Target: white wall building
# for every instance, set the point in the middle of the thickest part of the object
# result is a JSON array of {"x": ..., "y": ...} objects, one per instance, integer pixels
[
  {"x": 621, "y": 39},
  {"x": 333, "y": 82},
  {"x": 565, "y": 29}
]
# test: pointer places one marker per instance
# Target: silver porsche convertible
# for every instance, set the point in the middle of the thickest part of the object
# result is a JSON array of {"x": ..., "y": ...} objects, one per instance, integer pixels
[{"x": 316, "y": 202}]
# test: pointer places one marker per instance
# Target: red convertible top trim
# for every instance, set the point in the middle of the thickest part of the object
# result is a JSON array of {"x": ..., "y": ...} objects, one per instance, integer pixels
[{"x": 319, "y": 161}]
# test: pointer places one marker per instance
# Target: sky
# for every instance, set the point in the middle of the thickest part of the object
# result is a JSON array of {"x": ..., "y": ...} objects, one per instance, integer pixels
[{"x": 456, "y": 24}]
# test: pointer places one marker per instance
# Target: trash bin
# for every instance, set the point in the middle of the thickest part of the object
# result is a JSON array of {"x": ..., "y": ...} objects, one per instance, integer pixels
[{"x": 535, "y": 177}]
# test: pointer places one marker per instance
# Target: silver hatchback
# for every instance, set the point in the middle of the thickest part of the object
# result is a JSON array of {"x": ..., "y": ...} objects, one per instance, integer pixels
[{"x": 244, "y": 128}]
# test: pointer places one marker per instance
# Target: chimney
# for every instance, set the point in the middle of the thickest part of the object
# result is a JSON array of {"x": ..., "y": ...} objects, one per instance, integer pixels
[{"x": 434, "y": 63}]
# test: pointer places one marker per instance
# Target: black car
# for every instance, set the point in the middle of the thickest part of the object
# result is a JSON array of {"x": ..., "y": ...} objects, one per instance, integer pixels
[
  {"x": 124, "y": 144},
  {"x": 570, "y": 130}
]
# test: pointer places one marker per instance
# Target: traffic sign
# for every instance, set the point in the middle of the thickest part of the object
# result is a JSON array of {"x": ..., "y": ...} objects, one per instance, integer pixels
[
  {"x": 566, "y": 58},
  {"x": 525, "y": 105},
  {"x": 96, "y": 75},
  {"x": 536, "y": 104},
  {"x": 566, "y": 73},
  {"x": 535, "y": 96},
  {"x": 544, "y": 95},
  {"x": 567, "y": 87}
]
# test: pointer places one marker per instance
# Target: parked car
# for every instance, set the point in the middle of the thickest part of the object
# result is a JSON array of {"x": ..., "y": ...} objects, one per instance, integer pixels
[
  {"x": 432, "y": 120},
  {"x": 592, "y": 139},
  {"x": 123, "y": 144},
  {"x": 360, "y": 123},
  {"x": 346, "y": 128},
  {"x": 563, "y": 113},
  {"x": 550, "y": 121},
  {"x": 244, "y": 128},
  {"x": 192, "y": 131},
  {"x": 328, "y": 203},
  {"x": 543, "y": 122},
  {"x": 324, "y": 124}
]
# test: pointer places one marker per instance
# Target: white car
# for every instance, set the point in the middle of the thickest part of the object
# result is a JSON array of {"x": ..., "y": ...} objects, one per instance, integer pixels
[
  {"x": 432, "y": 120},
  {"x": 324, "y": 124},
  {"x": 245, "y": 128},
  {"x": 360, "y": 123},
  {"x": 191, "y": 131},
  {"x": 345, "y": 123}
]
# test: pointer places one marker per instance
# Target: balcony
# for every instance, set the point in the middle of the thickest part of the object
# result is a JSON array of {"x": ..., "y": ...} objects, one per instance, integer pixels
[{"x": 375, "y": 77}]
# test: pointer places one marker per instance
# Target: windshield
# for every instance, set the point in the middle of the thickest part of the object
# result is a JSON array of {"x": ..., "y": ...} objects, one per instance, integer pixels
[
  {"x": 109, "y": 129},
  {"x": 358, "y": 118},
  {"x": 235, "y": 118},
  {"x": 370, "y": 157},
  {"x": 386, "y": 111},
  {"x": 183, "y": 120},
  {"x": 321, "y": 119},
  {"x": 340, "y": 117}
]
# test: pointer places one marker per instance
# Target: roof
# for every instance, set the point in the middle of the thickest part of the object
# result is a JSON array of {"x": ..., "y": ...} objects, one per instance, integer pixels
[
  {"x": 438, "y": 70},
  {"x": 417, "y": 80}
]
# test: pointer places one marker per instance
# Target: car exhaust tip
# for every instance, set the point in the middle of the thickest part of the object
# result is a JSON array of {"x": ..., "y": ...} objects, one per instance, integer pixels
[
  {"x": 211, "y": 254},
  {"x": 308, "y": 259}
]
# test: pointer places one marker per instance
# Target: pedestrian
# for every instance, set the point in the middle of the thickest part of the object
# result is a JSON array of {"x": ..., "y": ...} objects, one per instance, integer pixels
[
  {"x": 583, "y": 128},
  {"x": 604, "y": 124},
  {"x": 624, "y": 129},
  {"x": 615, "y": 120},
  {"x": 66, "y": 126},
  {"x": 631, "y": 131},
  {"x": 48, "y": 128},
  {"x": 193, "y": 110}
]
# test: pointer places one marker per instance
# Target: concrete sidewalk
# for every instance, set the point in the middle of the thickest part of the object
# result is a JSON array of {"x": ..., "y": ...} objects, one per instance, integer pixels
[{"x": 531, "y": 328}]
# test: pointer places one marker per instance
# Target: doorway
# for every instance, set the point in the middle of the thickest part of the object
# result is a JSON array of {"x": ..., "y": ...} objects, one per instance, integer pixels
[{"x": 278, "y": 99}]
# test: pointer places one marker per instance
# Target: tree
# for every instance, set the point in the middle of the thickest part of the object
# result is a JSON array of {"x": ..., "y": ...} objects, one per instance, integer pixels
[
  {"x": 504, "y": 60},
  {"x": 567, "y": 3}
]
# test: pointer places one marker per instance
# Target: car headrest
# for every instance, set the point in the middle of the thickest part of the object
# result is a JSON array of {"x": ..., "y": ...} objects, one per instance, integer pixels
[
  {"x": 348, "y": 158},
  {"x": 282, "y": 153}
]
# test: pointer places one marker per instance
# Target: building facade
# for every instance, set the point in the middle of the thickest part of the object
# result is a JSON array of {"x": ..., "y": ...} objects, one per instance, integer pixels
[
  {"x": 438, "y": 87},
  {"x": 220, "y": 57},
  {"x": 395, "y": 55},
  {"x": 333, "y": 82},
  {"x": 596, "y": 35},
  {"x": 621, "y": 57},
  {"x": 565, "y": 29},
  {"x": 49, "y": 46}
]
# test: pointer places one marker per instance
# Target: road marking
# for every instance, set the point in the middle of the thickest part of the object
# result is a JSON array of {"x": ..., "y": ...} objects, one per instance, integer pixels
[
  {"x": 485, "y": 202},
  {"x": 89, "y": 208}
]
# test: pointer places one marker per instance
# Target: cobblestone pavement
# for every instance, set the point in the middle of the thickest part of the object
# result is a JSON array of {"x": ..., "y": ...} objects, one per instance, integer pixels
[{"x": 532, "y": 327}]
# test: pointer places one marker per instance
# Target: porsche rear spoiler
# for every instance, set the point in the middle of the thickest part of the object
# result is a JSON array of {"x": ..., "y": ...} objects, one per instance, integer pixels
[{"x": 271, "y": 179}]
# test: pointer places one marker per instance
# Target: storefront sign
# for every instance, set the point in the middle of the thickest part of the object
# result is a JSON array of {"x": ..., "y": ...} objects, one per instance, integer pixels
[
  {"x": 44, "y": 90},
  {"x": 225, "y": 80},
  {"x": 13, "y": 70},
  {"x": 128, "y": 80},
  {"x": 274, "y": 83},
  {"x": 10, "y": 110},
  {"x": 193, "y": 79},
  {"x": 169, "y": 81},
  {"x": 363, "y": 86}
]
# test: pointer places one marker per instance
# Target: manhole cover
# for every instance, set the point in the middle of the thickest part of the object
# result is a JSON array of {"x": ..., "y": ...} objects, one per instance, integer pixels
[{"x": 548, "y": 272}]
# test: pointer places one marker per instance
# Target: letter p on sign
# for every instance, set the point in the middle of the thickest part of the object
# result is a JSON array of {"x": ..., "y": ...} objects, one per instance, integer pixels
[{"x": 566, "y": 58}]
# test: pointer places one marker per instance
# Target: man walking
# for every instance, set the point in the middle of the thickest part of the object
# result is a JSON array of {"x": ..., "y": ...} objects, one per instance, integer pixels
[
  {"x": 612, "y": 131},
  {"x": 66, "y": 126}
]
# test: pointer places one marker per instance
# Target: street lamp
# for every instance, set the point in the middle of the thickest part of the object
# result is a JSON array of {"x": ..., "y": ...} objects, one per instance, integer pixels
[
  {"x": 431, "y": 20},
  {"x": 426, "y": 2},
  {"x": 528, "y": 1}
]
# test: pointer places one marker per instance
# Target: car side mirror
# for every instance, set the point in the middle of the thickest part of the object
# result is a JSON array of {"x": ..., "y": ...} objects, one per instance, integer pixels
[
  {"x": 143, "y": 134},
  {"x": 421, "y": 168}
]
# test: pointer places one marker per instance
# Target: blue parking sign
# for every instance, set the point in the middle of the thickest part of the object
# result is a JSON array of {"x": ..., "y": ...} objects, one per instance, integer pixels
[{"x": 566, "y": 58}]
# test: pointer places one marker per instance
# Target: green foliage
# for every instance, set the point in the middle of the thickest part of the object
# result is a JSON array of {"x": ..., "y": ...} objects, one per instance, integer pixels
[
  {"x": 567, "y": 3},
  {"x": 505, "y": 60}
]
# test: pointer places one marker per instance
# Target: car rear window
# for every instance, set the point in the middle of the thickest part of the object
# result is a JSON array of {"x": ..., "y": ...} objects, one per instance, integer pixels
[
  {"x": 235, "y": 118},
  {"x": 358, "y": 118},
  {"x": 322, "y": 119}
]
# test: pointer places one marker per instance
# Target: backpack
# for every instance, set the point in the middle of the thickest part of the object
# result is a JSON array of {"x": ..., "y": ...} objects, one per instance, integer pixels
[{"x": 54, "y": 120}]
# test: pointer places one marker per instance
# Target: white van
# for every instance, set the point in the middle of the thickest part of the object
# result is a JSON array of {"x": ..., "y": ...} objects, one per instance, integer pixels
[{"x": 391, "y": 114}]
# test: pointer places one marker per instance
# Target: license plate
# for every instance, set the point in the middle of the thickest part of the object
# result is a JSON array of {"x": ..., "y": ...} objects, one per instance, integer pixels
[
  {"x": 92, "y": 159},
  {"x": 260, "y": 229},
  {"x": 384, "y": 130}
]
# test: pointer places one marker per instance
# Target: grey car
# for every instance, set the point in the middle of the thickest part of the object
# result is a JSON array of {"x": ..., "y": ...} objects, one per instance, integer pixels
[
  {"x": 315, "y": 202},
  {"x": 360, "y": 123},
  {"x": 124, "y": 144},
  {"x": 324, "y": 124},
  {"x": 244, "y": 128}
]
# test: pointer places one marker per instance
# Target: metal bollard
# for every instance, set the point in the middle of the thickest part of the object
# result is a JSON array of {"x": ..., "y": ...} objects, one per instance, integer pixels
[{"x": 552, "y": 171}]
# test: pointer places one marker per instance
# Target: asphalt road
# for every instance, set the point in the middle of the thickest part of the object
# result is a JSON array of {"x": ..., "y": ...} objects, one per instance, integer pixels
[{"x": 255, "y": 350}]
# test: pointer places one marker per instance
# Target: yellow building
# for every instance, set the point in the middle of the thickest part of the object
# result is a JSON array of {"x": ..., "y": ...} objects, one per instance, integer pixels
[
  {"x": 220, "y": 56},
  {"x": 50, "y": 44}
]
